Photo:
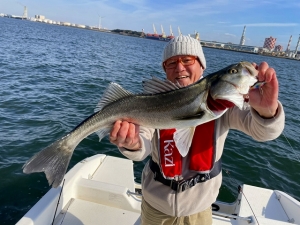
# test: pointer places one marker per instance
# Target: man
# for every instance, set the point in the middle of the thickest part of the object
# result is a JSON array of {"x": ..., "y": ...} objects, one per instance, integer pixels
[{"x": 186, "y": 197}]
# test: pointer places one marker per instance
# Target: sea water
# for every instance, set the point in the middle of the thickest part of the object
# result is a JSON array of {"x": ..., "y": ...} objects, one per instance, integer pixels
[{"x": 52, "y": 78}]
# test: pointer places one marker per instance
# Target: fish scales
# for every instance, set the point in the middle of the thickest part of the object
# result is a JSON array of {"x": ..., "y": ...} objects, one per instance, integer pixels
[{"x": 134, "y": 108}]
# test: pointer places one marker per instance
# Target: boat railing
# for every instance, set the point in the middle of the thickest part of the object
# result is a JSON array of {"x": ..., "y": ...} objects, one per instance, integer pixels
[{"x": 230, "y": 216}]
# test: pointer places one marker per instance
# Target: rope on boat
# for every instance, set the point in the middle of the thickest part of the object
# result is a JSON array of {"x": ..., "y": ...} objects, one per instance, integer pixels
[
  {"x": 58, "y": 201},
  {"x": 240, "y": 190}
]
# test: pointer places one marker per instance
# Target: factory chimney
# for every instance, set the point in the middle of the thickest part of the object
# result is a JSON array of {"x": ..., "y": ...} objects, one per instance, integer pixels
[
  {"x": 296, "y": 50},
  {"x": 242, "y": 42}
]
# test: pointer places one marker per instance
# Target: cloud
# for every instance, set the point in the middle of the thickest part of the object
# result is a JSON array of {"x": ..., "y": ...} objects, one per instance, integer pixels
[
  {"x": 133, "y": 2},
  {"x": 232, "y": 35}
]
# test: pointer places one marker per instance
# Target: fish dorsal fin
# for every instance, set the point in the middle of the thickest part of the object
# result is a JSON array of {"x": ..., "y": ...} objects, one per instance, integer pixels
[
  {"x": 112, "y": 93},
  {"x": 183, "y": 139},
  {"x": 156, "y": 85}
]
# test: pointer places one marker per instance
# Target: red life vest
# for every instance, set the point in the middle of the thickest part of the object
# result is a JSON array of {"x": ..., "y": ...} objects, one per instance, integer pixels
[{"x": 201, "y": 153}]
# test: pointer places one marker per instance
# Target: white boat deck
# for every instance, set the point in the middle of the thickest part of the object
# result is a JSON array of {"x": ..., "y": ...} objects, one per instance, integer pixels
[
  {"x": 264, "y": 204},
  {"x": 103, "y": 197},
  {"x": 101, "y": 190},
  {"x": 84, "y": 212}
]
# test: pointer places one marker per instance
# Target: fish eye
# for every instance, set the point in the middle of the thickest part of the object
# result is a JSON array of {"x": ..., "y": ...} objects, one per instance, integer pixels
[{"x": 232, "y": 71}]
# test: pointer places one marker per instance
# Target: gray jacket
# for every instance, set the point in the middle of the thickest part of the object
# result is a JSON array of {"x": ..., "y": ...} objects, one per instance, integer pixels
[{"x": 202, "y": 195}]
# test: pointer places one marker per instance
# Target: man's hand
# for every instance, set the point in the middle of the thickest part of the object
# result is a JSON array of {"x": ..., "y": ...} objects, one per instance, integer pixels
[
  {"x": 265, "y": 99},
  {"x": 126, "y": 135}
]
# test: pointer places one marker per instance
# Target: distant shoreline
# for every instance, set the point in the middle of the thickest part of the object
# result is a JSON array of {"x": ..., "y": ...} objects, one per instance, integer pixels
[
  {"x": 254, "y": 53},
  {"x": 139, "y": 34}
]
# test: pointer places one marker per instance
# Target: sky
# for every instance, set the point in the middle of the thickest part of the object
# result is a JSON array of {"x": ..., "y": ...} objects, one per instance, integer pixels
[{"x": 215, "y": 20}]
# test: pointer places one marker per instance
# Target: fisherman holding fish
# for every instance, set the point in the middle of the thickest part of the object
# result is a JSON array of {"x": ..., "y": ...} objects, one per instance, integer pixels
[
  {"x": 181, "y": 183},
  {"x": 182, "y": 122}
]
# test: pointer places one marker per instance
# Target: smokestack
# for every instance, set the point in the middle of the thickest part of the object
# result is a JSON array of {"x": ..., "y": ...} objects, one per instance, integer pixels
[
  {"x": 242, "y": 42},
  {"x": 288, "y": 46},
  {"x": 296, "y": 50}
]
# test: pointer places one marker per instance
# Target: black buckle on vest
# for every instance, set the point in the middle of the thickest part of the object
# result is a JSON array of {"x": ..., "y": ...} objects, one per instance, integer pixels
[
  {"x": 186, "y": 184},
  {"x": 182, "y": 185}
]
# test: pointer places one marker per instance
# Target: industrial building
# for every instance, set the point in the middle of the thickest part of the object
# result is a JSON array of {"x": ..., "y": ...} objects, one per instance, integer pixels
[
  {"x": 230, "y": 46},
  {"x": 270, "y": 43}
]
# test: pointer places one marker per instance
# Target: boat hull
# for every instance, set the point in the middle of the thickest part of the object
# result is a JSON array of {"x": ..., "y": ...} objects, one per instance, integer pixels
[
  {"x": 158, "y": 38},
  {"x": 93, "y": 191}
]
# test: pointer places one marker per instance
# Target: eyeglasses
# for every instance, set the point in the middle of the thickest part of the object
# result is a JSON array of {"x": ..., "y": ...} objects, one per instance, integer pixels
[{"x": 185, "y": 61}]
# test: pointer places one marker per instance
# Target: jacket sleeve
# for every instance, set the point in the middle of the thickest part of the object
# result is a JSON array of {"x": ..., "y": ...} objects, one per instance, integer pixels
[
  {"x": 249, "y": 122},
  {"x": 146, "y": 135}
]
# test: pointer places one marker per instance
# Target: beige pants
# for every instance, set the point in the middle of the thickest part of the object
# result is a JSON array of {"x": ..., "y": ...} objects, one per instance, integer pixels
[{"x": 151, "y": 216}]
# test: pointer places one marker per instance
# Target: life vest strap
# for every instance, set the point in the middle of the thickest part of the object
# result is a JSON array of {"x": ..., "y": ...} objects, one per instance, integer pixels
[{"x": 182, "y": 185}]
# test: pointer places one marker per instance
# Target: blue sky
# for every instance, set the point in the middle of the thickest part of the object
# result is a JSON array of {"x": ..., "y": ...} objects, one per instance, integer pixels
[{"x": 215, "y": 20}]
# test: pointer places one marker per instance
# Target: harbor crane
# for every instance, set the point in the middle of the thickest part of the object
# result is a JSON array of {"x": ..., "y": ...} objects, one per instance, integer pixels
[
  {"x": 154, "y": 30},
  {"x": 171, "y": 32},
  {"x": 179, "y": 32},
  {"x": 163, "y": 32}
]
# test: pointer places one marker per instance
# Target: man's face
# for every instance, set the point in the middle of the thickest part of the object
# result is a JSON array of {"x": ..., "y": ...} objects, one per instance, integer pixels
[{"x": 184, "y": 75}]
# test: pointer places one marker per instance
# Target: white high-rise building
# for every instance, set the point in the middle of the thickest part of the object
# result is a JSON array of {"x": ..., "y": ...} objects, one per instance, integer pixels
[{"x": 25, "y": 14}]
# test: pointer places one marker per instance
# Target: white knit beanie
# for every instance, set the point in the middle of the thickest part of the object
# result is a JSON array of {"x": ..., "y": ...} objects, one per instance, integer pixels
[{"x": 183, "y": 45}]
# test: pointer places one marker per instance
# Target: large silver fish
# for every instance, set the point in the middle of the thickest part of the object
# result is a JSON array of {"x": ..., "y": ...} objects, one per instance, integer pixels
[{"x": 163, "y": 105}]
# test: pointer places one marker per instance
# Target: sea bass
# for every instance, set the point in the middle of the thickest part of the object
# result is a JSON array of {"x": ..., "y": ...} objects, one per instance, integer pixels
[{"x": 163, "y": 105}]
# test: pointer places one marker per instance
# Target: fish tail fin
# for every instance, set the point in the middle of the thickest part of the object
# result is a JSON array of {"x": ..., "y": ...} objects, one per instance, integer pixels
[{"x": 52, "y": 160}]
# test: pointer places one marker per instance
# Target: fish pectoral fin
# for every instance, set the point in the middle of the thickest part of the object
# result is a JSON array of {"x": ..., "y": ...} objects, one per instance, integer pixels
[
  {"x": 199, "y": 115},
  {"x": 183, "y": 139},
  {"x": 103, "y": 132},
  {"x": 112, "y": 93}
]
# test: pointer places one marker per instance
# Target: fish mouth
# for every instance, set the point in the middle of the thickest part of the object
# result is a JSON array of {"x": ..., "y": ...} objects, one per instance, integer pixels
[
  {"x": 239, "y": 89},
  {"x": 231, "y": 98},
  {"x": 219, "y": 104},
  {"x": 235, "y": 94}
]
